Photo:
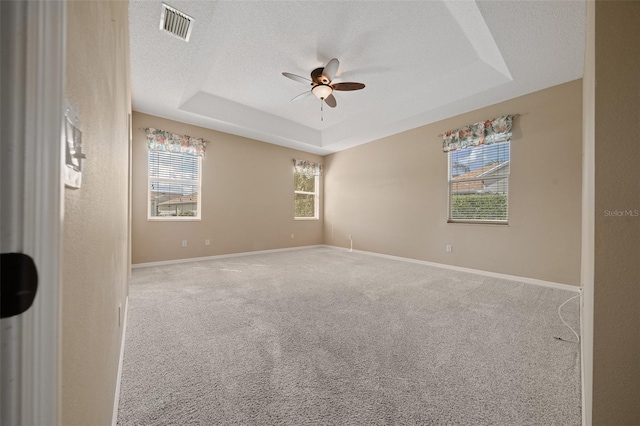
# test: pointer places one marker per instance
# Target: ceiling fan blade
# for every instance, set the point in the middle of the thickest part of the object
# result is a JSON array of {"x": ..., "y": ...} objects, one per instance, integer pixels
[
  {"x": 308, "y": 92},
  {"x": 331, "y": 69},
  {"x": 296, "y": 78},
  {"x": 331, "y": 101},
  {"x": 347, "y": 86}
]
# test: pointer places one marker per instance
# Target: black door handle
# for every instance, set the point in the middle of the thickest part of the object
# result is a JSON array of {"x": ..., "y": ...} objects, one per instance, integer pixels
[{"x": 19, "y": 283}]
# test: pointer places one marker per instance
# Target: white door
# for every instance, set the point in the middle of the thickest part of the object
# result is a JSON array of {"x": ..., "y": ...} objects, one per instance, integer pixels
[{"x": 32, "y": 83}]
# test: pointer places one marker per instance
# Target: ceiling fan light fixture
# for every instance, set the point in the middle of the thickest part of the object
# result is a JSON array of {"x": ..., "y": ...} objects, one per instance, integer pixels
[{"x": 322, "y": 91}]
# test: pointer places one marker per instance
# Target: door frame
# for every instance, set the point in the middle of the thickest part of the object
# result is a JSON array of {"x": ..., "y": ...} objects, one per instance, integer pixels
[{"x": 587, "y": 273}]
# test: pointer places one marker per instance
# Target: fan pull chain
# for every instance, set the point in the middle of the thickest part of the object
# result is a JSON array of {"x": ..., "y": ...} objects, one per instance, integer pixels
[{"x": 321, "y": 110}]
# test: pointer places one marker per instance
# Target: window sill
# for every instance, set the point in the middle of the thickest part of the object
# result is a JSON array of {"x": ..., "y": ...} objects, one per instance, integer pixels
[
  {"x": 306, "y": 218},
  {"x": 173, "y": 219},
  {"x": 478, "y": 222}
]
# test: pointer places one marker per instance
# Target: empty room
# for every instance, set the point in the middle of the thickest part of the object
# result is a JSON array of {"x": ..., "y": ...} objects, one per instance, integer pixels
[{"x": 302, "y": 213}]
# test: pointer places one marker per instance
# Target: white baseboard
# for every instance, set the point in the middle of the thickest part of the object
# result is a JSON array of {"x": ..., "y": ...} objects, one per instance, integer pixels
[
  {"x": 526, "y": 280},
  {"x": 219, "y": 256},
  {"x": 116, "y": 398}
]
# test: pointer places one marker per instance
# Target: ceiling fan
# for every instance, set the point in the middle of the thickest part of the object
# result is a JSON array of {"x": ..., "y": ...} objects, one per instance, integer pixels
[{"x": 321, "y": 85}]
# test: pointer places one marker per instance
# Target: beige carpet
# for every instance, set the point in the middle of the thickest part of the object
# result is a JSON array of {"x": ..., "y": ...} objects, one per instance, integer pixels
[{"x": 323, "y": 336}]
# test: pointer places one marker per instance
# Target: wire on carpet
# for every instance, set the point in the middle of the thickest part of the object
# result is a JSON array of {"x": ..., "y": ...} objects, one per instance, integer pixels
[{"x": 565, "y": 323}]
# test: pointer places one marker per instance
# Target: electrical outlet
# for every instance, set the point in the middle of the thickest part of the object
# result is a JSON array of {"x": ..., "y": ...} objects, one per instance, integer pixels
[
  {"x": 448, "y": 248},
  {"x": 350, "y": 236},
  {"x": 293, "y": 236},
  {"x": 184, "y": 243},
  {"x": 207, "y": 242}
]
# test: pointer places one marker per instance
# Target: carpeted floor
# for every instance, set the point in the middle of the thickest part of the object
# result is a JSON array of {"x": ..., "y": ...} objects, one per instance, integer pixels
[{"x": 324, "y": 336}]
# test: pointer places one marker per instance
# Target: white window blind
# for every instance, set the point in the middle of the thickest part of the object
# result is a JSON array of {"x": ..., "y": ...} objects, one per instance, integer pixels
[
  {"x": 174, "y": 185},
  {"x": 479, "y": 183},
  {"x": 306, "y": 189},
  {"x": 305, "y": 196}
]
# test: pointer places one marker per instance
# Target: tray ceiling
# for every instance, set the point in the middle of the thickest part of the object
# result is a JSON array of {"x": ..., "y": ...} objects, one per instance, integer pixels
[{"x": 421, "y": 62}]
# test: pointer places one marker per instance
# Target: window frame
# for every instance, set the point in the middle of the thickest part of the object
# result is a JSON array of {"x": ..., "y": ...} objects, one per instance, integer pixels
[
  {"x": 316, "y": 198},
  {"x": 197, "y": 184},
  {"x": 450, "y": 183}
]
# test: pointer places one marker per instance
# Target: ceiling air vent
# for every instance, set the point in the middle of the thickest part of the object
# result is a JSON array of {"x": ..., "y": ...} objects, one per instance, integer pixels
[{"x": 176, "y": 23}]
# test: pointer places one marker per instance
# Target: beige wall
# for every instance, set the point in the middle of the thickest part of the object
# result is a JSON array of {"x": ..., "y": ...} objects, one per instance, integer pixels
[
  {"x": 616, "y": 356},
  {"x": 391, "y": 194},
  {"x": 247, "y": 201},
  {"x": 95, "y": 218}
]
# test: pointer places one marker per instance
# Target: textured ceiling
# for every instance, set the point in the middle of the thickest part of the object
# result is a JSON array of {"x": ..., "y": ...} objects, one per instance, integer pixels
[{"x": 421, "y": 61}]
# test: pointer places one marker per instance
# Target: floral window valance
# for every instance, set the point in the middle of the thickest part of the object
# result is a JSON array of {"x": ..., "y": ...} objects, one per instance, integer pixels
[
  {"x": 160, "y": 140},
  {"x": 483, "y": 133},
  {"x": 307, "y": 168}
]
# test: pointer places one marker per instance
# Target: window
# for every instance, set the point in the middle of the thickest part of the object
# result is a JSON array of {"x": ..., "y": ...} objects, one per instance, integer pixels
[
  {"x": 175, "y": 163},
  {"x": 479, "y": 183},
  {"x": 306, "y": 189},
  {"x": 306, "y": 195},
  {"x": 478, "y": 173},
  {"x": 174, "y": 186}
]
